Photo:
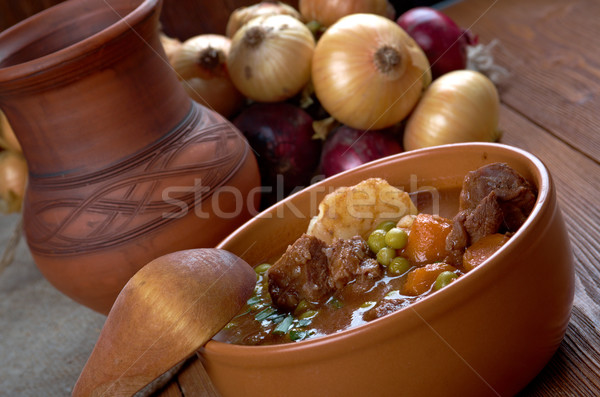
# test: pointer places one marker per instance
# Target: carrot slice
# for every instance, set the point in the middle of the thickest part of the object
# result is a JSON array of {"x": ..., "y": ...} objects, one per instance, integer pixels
[
  {"x": 478, "y": 252},
  {"x": 420, "y": 280},
  {"x": 427, "y": 239}
]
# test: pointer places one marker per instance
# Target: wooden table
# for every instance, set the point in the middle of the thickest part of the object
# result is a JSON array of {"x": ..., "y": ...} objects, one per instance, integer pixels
[{"x": 550, "y": 107}]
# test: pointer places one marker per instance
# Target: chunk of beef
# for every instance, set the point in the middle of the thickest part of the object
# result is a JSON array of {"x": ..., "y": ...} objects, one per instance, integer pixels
[
  {"x": 494, "y": 198},
  {"x": 458, "y": 238},
  {"x": 514, "y": 194},
  {"x": 312, "y": 270},
  {"x": 301, "y": 273},
  {"x": 349, "y": 260},
  {"x": 485, "y": 219}
]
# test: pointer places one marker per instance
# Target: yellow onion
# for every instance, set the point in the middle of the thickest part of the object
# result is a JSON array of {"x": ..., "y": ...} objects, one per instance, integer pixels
[
  {"x": 218, "y": 94},
  {"x": 270, "y": 58},
  {"x": 328, "y": 12},
  {"x": 368, "y": 73},
  {"x": 8, "y": 140},
  {"x": 201, "y": 65},
  {"x": 13, "y": 179},
  {"x": 170, "y": 45},
  {"x": 242, "y": 15},
  {"x": 460, "y": 106},
  {"x": 203, "y": 56}
]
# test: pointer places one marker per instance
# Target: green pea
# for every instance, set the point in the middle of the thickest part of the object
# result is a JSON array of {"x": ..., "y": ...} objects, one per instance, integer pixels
[
  {"x": 443, "y": 279},
  {"x": 386, "y": 225},
  {"x": 376, "y": 240},
  {"x": 396, "y": 238},
  {"x": 260, "y": 269},
  {"x": 399, "y": 265},
  {"x": 386, "y": 255}
]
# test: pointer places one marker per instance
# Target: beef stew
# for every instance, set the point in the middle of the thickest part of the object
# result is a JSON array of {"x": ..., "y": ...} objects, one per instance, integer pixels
[{"x": 317, "y": 288}]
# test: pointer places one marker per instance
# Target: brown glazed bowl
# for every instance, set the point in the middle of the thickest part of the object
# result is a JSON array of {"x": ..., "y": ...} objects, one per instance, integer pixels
[{"x": 487, "y": 334}]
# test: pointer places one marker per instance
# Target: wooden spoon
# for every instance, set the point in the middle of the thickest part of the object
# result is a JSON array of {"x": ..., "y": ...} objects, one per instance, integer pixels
[{"x": 167, "y": 311}]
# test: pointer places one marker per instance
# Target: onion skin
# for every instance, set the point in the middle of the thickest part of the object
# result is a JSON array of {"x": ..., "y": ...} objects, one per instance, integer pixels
[
  {"x": 170, "y": 45},
  {"x": 201, "y": 65},
  {"x": 367, "y": 72},
  {"x": 219, "y": 94},
  {"x": 442, "y": 40},
  {"x": 460, "y": 106},
  {"x": 240, "y": 16},
  {"x": 8, "y": 139},
  {"x": 13, "y": 180},
  {"x": 270, "y": 58},
  {"x": 281, "y": 136},
  {"x": 326, "y": 13},
  {"x": 346, "y": 148},
  {"x": 203, "y": 56}
]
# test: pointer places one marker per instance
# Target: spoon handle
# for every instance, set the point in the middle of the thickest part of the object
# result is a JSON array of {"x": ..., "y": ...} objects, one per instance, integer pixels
[{"x": 196, "y": 380}]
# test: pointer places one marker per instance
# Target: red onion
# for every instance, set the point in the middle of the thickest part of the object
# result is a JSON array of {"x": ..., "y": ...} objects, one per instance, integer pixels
[
  {"x": 442, "y": 40},
  {"x": 346, "y": 148},
  {"x": 281, "y": 135}
]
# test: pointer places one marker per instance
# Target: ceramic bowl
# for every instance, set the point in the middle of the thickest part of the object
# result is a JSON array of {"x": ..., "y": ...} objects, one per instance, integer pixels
[{"x": 488, "y": 333}]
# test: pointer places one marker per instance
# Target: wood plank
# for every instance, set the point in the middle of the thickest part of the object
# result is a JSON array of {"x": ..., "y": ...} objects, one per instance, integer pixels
[
  {"x": 550, "y": 48},
  {"x": 575, "y": 369},
  {"x": 195, "y": 382},
  {"x": 171, "y": 390}
]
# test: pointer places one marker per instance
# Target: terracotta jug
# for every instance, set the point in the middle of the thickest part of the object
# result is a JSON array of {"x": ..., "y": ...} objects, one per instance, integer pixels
[{"x": 124, "y": 167}]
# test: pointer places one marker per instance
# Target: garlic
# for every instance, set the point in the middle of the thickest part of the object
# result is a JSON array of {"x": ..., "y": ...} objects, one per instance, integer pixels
[{"x": 460, "y": 106}]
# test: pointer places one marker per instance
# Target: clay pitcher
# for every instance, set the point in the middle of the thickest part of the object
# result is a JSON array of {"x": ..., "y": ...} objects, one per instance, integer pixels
[{"x": 124, "y": 167}]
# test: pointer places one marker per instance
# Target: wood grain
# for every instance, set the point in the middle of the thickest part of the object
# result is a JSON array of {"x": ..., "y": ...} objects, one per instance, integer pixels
[
  {"x": 575, "y": 369},
  {"x": 171, "y": 390},
  {"x": 551, "y": 51},
  {"x": 195, "y": 382}
]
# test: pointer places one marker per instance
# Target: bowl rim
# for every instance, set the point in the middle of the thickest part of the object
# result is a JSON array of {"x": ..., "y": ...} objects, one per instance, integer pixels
[{"x": 278, "y": 352}]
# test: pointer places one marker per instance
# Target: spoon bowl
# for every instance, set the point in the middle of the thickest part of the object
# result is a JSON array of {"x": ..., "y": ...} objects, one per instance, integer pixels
[{"x": 167, "y": 311}]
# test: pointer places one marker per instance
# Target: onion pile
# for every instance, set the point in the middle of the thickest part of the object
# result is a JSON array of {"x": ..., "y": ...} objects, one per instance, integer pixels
[{"x": 336, "y": 84}]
